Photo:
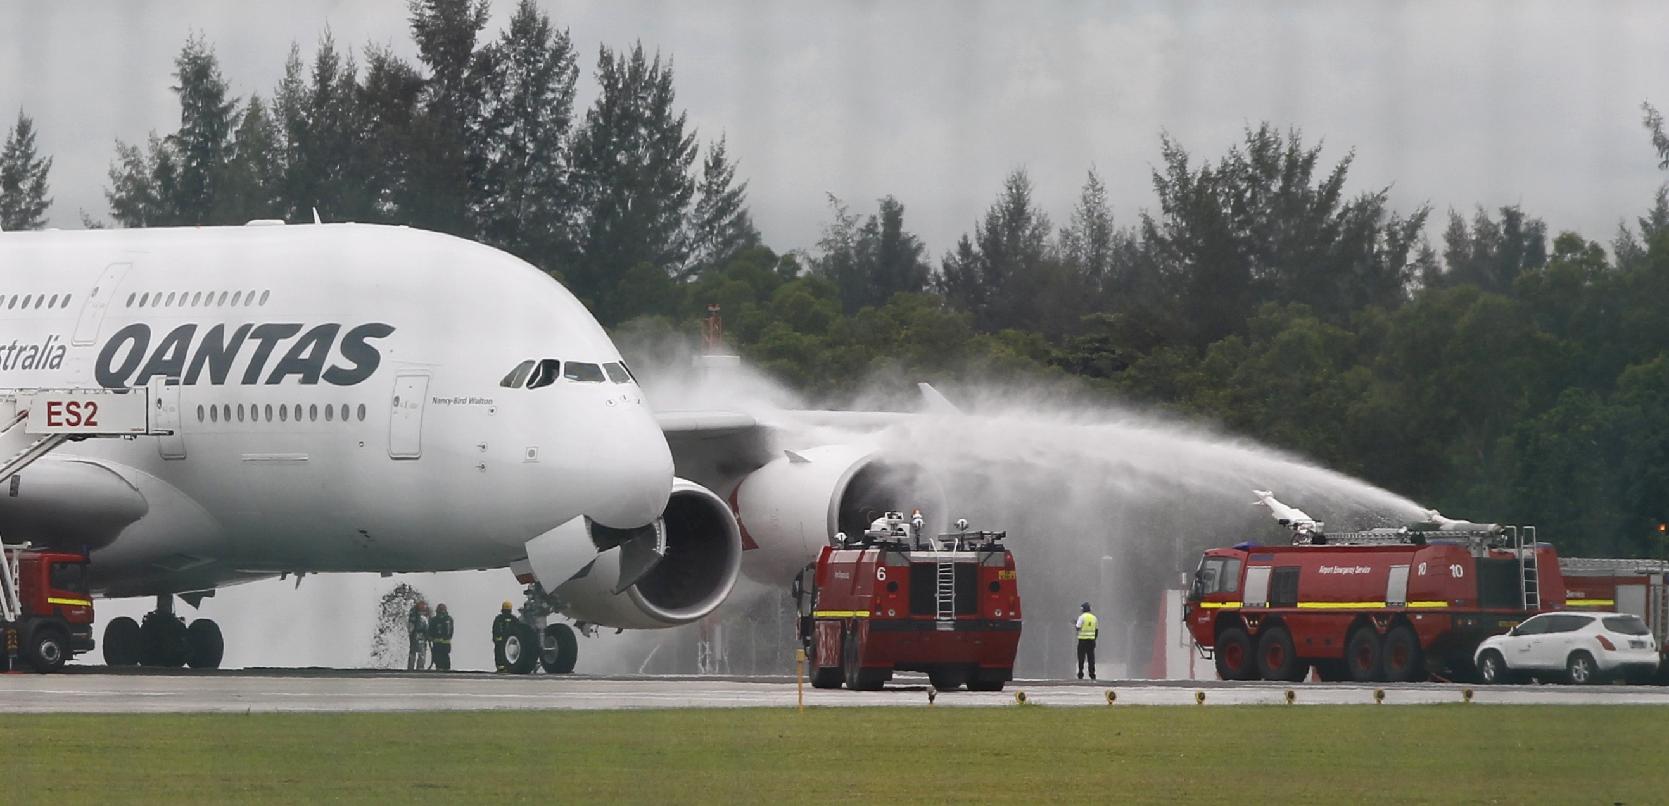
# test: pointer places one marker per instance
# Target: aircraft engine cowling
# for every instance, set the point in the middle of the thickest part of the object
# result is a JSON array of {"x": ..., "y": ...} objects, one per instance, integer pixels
[
  {"x": 793, "y": 506},
  {"x": 667, "y": 573}
]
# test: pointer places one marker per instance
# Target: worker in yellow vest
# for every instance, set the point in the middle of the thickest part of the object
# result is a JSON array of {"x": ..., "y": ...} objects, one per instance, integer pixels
[{"x": 1087, "y": 631}]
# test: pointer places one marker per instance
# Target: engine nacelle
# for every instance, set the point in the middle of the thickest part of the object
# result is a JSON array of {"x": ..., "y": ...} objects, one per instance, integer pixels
[
  {"x": 792, "y": 507},
  {"x": 667, "y": 573}
]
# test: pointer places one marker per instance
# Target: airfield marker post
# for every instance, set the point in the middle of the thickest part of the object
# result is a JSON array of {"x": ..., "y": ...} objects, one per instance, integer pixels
[{"x": 800, "y": 678}]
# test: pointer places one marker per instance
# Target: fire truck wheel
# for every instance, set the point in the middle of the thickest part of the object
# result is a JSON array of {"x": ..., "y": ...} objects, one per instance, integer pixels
[
  {"x": 560, "y": 651},
  {"x": 47, "y": 649},
  {"x": 988, "y": 682},
  {"x": 1403, "y": 661},
  {"x": 826, "y": 676},
  {"x": 1492, "y": 669},
  {"x": 1278, "y": 658},
  {"x": 1234, "y": 656},
  {"x": 1580, "y": 669},
  {"x": 121, "y": 642},
  {"x": 858, "y": 678},
  {"x": 948, "y": 679},
  {"x": 207, "y": 646},
  {"x": 1362, "y": 655},
  {"x": 1332, "y": 671}
]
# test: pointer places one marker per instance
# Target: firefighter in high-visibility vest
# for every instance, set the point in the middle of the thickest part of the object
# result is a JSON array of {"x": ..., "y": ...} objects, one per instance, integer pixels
[
  {"x": 503, "y": 627},
  {"x": 1087, "y": 630}
]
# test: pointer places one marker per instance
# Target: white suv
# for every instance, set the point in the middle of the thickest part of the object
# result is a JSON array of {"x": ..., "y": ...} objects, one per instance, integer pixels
[{"x": 1585, "y": 647}]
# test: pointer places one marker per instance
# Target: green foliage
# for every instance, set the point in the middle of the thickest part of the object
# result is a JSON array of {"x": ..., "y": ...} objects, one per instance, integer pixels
[{"x": 23, "y": 199}]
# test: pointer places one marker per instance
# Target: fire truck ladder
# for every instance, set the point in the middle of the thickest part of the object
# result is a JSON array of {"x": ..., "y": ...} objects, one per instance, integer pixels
[
  {"x": 1612, "y": 565},
  {"x": 946, "y": 592},
  {"x": 1529, "y": 576},
  {"x": 11, "y": 601}
]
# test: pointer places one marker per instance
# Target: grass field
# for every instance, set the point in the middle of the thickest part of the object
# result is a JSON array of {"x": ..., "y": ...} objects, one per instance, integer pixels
[{"x": 1254, "y": 754}]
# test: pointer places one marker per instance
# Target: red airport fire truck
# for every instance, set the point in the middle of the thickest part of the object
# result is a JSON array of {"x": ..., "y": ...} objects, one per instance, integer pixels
[
  {"x": 1379, "y": 605},
  {"x": 46, "y": 614},
  {"x": 1625, "y": 586},
  {"x": 894, "y": 600}
]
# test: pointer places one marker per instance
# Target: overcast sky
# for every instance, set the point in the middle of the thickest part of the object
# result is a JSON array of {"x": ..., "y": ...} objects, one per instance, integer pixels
[{"x": 1456, "y": 104}]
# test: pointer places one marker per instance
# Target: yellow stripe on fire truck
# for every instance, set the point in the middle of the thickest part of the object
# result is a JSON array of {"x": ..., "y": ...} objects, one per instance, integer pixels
[
  {"x": 1331, "y": 605},
  {"x": 841, "y": 613},
  {"x": 71, "y": 602},
  {"x": 1590, "y": 602}
]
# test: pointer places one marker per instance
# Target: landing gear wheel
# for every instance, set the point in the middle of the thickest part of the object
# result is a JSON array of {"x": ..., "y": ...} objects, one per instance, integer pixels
[
  {"x": 1234, "y": 655},
  {"x": 1362, "y": 655},
  {"x": 521, "y": 650},
  {"x": 1492, "y": 669},
  {"x": 948, "y": 679},
  {"x": 206, "y": 645},
  {"x": 163, "y": 640},
  {"x": 1278, "y": 658},
  {"x": 560, "y": 649},
  {"x": 1401, "y": 656},
  {"x": 121, "y": 642},
  {"x": 47, "y": 649},
  {"x": 1580, "y": 669}
]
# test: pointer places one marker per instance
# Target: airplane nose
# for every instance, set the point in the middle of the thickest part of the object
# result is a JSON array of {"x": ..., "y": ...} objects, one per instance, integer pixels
[{"x": 633, "y": 472}]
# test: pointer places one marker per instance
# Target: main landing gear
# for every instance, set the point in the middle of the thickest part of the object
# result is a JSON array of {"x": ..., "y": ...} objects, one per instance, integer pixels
[{"x": 163, "y": 640}]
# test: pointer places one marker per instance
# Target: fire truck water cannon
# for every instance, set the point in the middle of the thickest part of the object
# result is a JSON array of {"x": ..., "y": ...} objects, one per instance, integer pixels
[{"x": 896, "y": 599}]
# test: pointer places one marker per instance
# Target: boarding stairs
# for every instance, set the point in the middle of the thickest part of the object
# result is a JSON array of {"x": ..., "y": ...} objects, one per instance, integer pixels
[{"x": 34, "y": 422}]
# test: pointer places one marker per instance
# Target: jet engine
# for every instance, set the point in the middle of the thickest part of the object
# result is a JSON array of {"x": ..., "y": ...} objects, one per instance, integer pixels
[
  {"x": 663, "y": 574},
  {"x": 793, "y": 506}
]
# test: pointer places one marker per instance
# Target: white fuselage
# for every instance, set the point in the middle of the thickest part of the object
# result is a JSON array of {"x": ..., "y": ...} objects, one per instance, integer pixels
[{"x": 339, "y": 405}]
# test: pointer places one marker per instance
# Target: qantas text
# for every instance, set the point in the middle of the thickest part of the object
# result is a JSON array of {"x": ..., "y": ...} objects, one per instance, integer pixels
[{"x": 129, "y": 359}]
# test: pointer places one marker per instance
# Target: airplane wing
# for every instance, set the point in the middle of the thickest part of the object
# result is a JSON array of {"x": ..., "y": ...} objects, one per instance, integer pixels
[{"x": 73, "y": 503}]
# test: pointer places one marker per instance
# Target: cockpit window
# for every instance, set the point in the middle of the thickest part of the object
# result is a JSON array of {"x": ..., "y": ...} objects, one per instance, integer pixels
[
  {"x": 518, "y": 376},
  {"x": 629, "y": 372},
  {"x": 545, "y": 374},
  {"x": 584, "y": 373},
  {"x": 617, "y": 373}
]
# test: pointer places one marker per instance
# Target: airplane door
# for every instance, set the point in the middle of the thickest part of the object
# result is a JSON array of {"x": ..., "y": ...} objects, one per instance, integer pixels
[
  {"x": 405, "y": 423},
  {"x": 165, "y": 416},
  {"x": 92, "y": 311}
]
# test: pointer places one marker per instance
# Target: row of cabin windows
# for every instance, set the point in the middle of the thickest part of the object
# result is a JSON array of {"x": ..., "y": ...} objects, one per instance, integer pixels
[
  {"x": 533, "y": 374},
  {"x": 25, "y": 301},
  {"x": 182, "y": 299},
  {"x": 282, "y": 413}
]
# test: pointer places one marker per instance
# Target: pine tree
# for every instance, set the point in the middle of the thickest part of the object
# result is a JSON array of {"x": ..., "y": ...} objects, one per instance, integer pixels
[
  {"x": 521, "y": 196},
  {"x": 254, "y": 177},
  {"x": 387, "y": 107},
  {"x": 329, "y": 151},
  {"x": 632, "y": 161},
  {"x": 897, "y": 264},
  {"x": 203, "y": 142},
  {"x": 720, "y": 226},
  {"x": 23, "y": 199},
  {"x": 437, "y": 192},
  {"x": 1089, "y": 243}
]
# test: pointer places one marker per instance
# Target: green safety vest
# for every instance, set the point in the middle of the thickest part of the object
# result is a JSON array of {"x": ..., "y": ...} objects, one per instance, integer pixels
[{"x": 1086, "y": 628}]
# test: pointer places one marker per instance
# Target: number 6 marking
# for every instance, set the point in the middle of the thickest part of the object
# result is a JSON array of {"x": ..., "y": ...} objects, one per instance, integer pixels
[{"x": 881, "y": 572}]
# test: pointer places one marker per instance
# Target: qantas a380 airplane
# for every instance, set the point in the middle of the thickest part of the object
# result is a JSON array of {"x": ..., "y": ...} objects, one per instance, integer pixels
[{"x": 358, "y": 398}]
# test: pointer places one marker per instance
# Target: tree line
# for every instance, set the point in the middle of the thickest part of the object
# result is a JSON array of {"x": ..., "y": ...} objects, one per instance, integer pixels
[{"x": 1502, "y": 373}]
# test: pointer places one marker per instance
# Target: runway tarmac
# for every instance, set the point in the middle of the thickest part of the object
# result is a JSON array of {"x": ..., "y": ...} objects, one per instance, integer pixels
[{"x": 100, "y": 690}]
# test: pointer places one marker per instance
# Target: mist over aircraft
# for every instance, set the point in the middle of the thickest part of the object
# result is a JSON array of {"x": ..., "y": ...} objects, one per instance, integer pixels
[{"x": 360, "y": 398}]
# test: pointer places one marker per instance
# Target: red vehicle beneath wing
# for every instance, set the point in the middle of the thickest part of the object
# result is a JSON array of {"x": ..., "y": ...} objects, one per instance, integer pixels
[{"x": 948, "y": 606}]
